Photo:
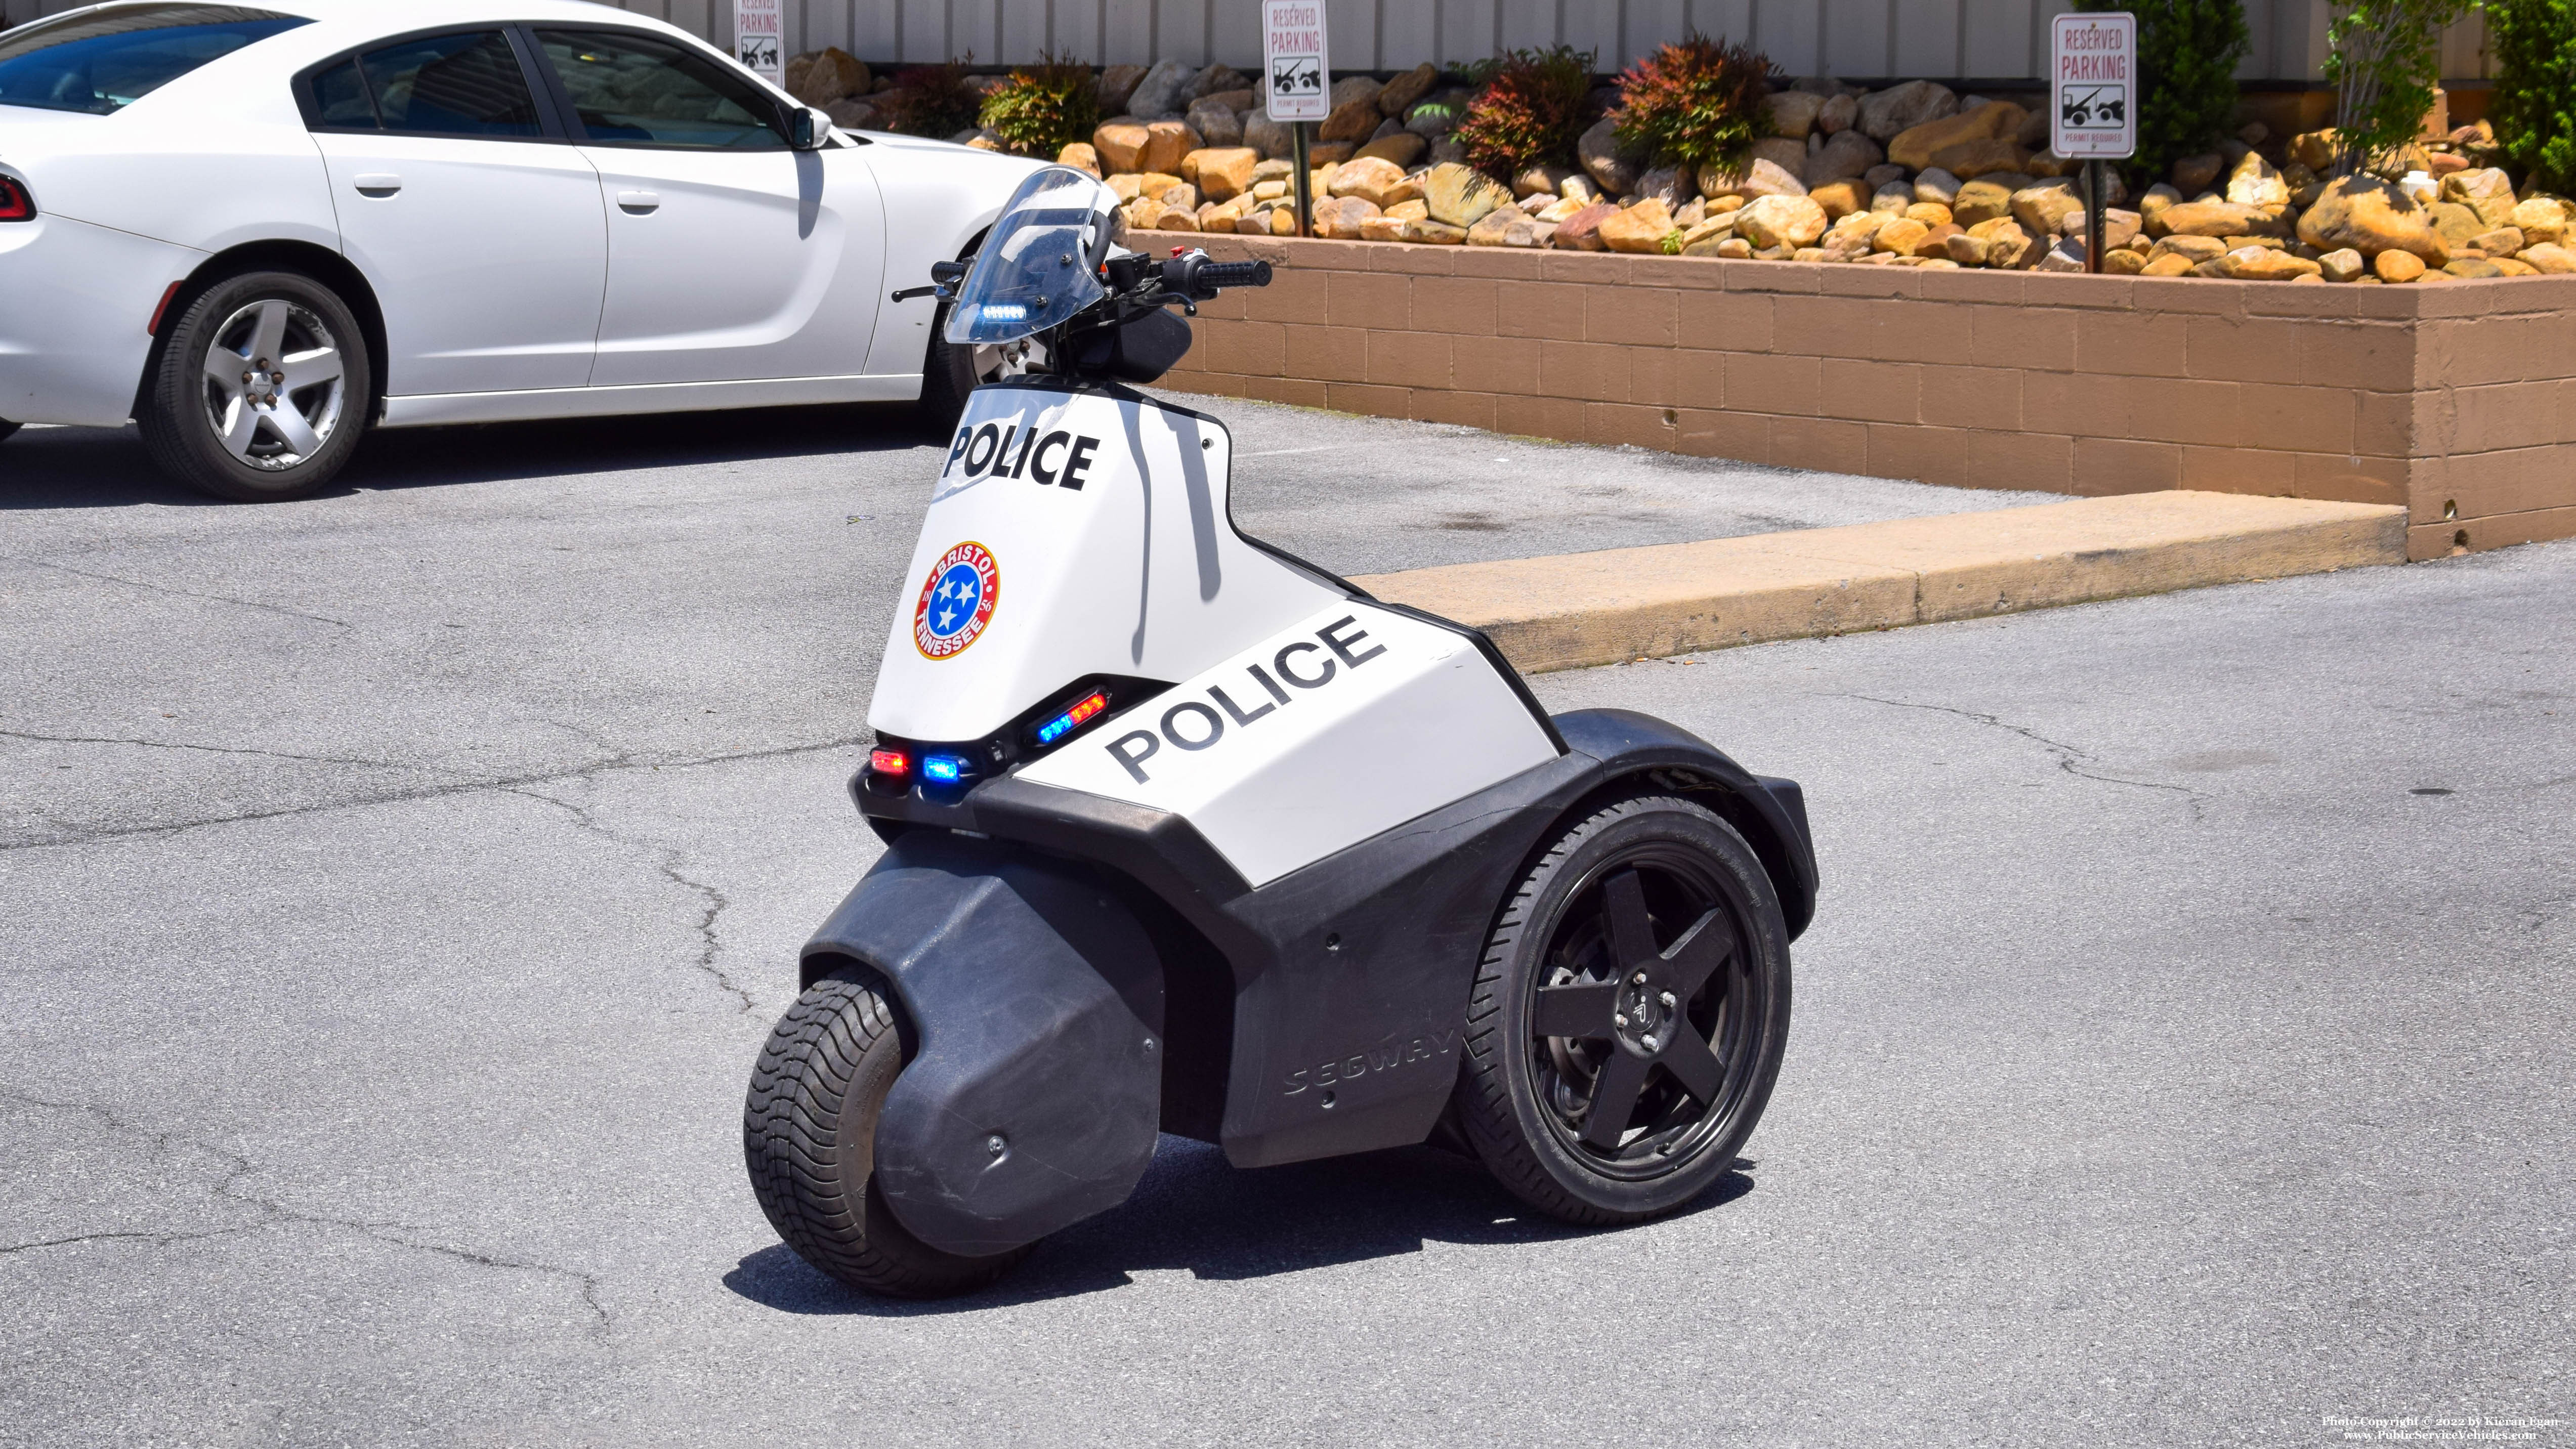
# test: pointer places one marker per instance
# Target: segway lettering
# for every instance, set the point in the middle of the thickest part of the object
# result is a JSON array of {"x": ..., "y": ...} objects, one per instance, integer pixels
[
  {"x": 1343, "y": 637},
  {"x": 989, "y": 447},
  {"x": 1386, "y": 1056}
]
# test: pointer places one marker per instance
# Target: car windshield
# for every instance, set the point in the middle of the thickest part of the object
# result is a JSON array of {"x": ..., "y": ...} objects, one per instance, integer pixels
[
  {"x": 105, "y": 60},
  {"x": 1037, "y": 268}
]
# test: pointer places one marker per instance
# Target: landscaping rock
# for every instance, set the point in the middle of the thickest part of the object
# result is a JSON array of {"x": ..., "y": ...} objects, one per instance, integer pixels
[
  {"x": 1166, "y": 142},
  {"x": 1403, "y": 148},
  {"x": 1922, "y": 145},
  {"x": 2167, "y": 266},
  {"x": 1117, "y": 86},
  {"x": 1401, "y": 93},
  {"x": 1163, "y": 91},
  {"x": 1494, "y": 228},
  {"x": 1219, "y": 79},
  {"x": 1894, "y": 200},
  {"x": 1840, "y": 198},
  {"x": 1966, "y": 250},
  {"x": 1844, "y": 155},
  {"x": 1128, "y": 185},
  {"x": 1793, "y": 113},
  {"x": 2007, "y": 245},
  {"x": 1760, "y": 178},
  {"x": 2123, "y": 263},
  {"x": 2394, "y": 265},
  {"x": 1460, "y": 195},
  {"x": 2343, "y": 265},
  {"x": 2043, "y": 209},
  {"x": 2213, "y": 218},
  {"x": 827, "y": 76},
  {"x": 1901, "y": 235},
  {"x": 2504, "y": 241},
  {"x": 2369, "y": 216},
  {"x": 1223, "y": 172},
  {"x": 1354, "y": 116},
  {"x": 2193, "y": 249},
  {"x": 2549, "y": 257},
  {"x": 1980, "y": 201},
  {"x": 1081, "y": 156},
  {"x": 1885, "y": 115},
  {"x": 2455, "y": 223},
  {"x": 1937, "y": 186},
  {"x": 1930, "y": 213},
  {"x": 1599, "y": 152},
  {"x": 2543, "y": 219},
  {"x": 1215, "y": 124},
  {"x": 1582, "y": 230},
  {"x": 2193, "y": 175},
  {"x": 1839, "y": 114},
  {"x": 1120, "y": 143},
  {"x": 2067, "y": 255},
  {"x": 2489, "y": 193},
  {"x": 2474, "y": 270},
  {"x": 2267, "y": 264},
  {"x": 1774, "y": 221},
  {"x": 1669, "y": 185},
  {"x": 2255, "y": 183},
  {"x": 1411, "y": 209},
  {"x": 1271, "y": 138},
  {"x": 1640, "y": 229},
  {"x": 1545, "y": 181}
]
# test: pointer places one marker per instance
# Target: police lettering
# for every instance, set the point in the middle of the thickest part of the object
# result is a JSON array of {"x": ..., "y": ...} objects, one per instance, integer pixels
[
  {"x": 1191, "y": 725},
  {"x": 1012, "y": 451}
]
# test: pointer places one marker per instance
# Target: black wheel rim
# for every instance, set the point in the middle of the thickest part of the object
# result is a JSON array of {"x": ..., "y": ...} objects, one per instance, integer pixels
[{"x": 1644, "y": 1021}]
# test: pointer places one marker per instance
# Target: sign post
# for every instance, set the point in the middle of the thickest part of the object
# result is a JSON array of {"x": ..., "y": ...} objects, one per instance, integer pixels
[
  {"x": 760, "y": 39},
  {"x": 1300, "y": 78},
  {"x": 2093, "y": 103}
]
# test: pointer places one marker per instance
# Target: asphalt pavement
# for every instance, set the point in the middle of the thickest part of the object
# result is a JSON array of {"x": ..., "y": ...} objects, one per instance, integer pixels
[{"x": 402, "y": 881}]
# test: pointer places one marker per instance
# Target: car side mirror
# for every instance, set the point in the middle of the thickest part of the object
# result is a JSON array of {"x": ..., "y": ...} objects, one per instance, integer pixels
[{"x": 803, "y": 132}]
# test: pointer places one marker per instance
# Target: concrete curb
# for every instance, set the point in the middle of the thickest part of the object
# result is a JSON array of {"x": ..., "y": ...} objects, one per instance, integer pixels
[{"x": 1571, "y": 611}]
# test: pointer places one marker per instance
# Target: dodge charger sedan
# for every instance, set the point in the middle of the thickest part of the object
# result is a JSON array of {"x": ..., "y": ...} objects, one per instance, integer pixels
[{"x": 259, "y": 230}]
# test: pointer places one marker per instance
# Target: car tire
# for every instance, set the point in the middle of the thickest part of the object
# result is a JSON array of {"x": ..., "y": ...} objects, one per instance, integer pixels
[
  {"x": 279, "y": 427},
  {"x": 809, "y": 1131},
  {"x": 1647, "y": 931}
]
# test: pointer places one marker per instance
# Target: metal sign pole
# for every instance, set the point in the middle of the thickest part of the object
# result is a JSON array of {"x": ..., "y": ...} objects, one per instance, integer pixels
[
  {"x": 1305, "y": 186},
  {"x": 2092, "y": 99},
  {"x": 2094, "y": 191}
]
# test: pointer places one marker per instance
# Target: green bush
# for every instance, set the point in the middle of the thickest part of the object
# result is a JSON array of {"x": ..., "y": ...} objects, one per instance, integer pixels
[
  {"x": 1045, "y": 107},
  {"x": 2384, "y": 58},
  {"x": 2188, "y": 51},
  {"x": 1698, "y": 102},
  {"x": 930, "y": 100},
  {"x": 1527, "y": 111},
  {"x": 2533, "y": 107}
]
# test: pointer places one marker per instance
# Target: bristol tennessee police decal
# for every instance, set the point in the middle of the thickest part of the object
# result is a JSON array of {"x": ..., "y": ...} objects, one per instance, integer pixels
[{"x": 956, "y": 601}]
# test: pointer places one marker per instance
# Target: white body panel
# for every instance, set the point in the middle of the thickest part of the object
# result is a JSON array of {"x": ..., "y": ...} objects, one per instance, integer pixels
[
  {"x": 726, "y": 266},
  {"x": 1137, "y": 571},
  {"x": 490, "y": 268},
  {"x": 1353, "y": 721},
  {"x": 486, "y": 255}
]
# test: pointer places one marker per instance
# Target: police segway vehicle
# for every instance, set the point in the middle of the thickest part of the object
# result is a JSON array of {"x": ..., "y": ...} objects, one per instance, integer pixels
[{"x": 1184, "y": 834}]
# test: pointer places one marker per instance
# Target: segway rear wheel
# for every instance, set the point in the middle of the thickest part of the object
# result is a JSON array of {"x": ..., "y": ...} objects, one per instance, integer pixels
[
  {"x": 809, "y": 1133},
  {"x": 1629, "y": 1017}
]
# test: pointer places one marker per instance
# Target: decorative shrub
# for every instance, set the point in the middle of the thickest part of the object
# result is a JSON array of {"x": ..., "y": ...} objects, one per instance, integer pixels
[
  {"x": 1528, "y": 109},
  {"x": 1045, "y": 107},
  {"x": 930, "y": 100},
  {"x": 1697, "y": 101},
  {"x": 2188, "y": 51},
  {"x": 2534, "y": 103},
  {"x": 2384, "y": 58}
]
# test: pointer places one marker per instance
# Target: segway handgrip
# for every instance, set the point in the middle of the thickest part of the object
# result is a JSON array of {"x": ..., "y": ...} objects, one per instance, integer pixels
[{"x": 1218, "y": 275}]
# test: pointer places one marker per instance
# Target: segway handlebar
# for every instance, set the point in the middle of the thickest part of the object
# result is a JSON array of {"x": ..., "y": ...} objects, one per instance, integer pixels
[{"x": 1216, "y": 276}]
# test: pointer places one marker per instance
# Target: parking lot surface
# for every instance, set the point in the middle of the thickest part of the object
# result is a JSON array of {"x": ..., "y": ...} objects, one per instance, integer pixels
[{"x": 402, "y": 881}]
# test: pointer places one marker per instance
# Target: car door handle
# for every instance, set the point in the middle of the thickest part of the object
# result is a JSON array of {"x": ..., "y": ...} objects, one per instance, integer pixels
[
  {"x": 638, "y": 203},
  {"x": 378, "y": 183}
]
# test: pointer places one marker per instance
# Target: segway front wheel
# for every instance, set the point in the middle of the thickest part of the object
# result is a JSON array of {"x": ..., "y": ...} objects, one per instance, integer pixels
[
  {"x": 809, "y": 1133},
  {"x": 1629, "y": 1017}
]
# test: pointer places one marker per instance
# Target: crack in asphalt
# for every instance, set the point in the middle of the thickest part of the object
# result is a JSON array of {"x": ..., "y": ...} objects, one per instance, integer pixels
[
  {"x": 713, "y": 902},
  {"x": 214, "y": 750},
  {"x": 275, "y": 1214},
  {"x": 400, "y": 797},
  {"x": 36, "y": 563},
  {"x": 2070, "y": 758}
]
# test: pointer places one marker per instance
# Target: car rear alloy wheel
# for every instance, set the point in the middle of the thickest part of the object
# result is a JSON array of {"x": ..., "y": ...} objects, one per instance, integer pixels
[
  {"x": 1629, "y": 1019},
  {"x": 261, "y": 390}
]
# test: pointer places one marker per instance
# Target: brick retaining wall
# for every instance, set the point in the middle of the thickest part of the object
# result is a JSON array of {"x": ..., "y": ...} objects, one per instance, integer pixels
[{"x": 2457, "y": 400}]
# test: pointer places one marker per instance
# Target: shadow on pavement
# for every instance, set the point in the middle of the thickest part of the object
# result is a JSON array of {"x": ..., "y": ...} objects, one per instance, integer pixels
[
  {"x": 1195, "y": 1213},
  {"x": 108, "y": 467}
]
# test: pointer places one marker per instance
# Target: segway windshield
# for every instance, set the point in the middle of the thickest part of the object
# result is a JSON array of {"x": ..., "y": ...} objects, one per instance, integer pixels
[{"x": 1036, "y": 269}]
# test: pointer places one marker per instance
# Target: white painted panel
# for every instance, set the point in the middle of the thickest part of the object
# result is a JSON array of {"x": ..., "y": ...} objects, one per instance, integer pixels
[
  {"x": 1855, "y": 37},
  {"x": 1998, "y": 38},
  {"x": 1730, "y": 20},
  {"x": 1130, "y": 29},
  {"x": 1928, "y": 38}
]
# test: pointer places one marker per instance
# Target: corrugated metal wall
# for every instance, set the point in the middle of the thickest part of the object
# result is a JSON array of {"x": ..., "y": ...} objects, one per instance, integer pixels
[{"x": 1985, "y": 39}]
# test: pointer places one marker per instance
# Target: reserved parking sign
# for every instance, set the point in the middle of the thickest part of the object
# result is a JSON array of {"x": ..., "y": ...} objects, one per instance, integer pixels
[
  {"x": 1294, "y": 55},
  {"x": 760, "y": 38},
  {"x": 2093, "y": 89}
]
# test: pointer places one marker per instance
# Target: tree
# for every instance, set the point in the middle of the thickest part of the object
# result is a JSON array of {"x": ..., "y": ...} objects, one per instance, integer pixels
[
  {"x": 2534, "y": 105},
  {"x": 2384, "y": 59},
  {"x": 2188, "y": 51}
]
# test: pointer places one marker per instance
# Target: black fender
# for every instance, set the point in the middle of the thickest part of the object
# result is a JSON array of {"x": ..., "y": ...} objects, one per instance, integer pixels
[{"x": 1034, "y": 1003}]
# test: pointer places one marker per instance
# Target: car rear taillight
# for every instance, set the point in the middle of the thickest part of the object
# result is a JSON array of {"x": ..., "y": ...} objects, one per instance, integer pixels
[{"x": 15, "y": 203}]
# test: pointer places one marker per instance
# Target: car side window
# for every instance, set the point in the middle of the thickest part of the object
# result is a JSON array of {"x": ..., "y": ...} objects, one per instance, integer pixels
[
  {"x": 340, "y": 99},
  {"x": 634, "y": 90},
  {"x": 440, "y": 85}
]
